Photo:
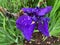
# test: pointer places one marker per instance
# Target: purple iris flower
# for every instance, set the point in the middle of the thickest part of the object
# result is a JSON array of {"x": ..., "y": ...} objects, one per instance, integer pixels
[{"x": 32, "y": 18}]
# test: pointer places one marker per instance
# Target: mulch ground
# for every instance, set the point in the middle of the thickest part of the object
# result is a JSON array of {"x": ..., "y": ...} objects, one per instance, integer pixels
[{"x": 40, "y": 39}]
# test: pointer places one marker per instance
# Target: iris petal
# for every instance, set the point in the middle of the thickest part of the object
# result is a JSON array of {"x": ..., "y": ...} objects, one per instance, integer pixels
[
  {"x": 44, "y": 11},
  {"x": 28, "y": 10},
  {"x": 24, "y": 23},
  {"x": 43, "y": 27},
  {"x": 34, "y": 18}
]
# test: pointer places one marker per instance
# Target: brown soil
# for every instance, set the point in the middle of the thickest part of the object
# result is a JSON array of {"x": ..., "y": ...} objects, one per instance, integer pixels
[{"x": 39, "y": 39}]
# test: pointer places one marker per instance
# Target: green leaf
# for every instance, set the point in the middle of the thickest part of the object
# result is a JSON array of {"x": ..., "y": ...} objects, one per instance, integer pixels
[{"x": 55, "y": 31}]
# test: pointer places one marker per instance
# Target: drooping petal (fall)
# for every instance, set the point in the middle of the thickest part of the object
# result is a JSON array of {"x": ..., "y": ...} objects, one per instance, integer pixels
[
  {"x": 43, "y": 11},
  {"x": 43, "y": 27},
  {"x": 26, "y": 25}
]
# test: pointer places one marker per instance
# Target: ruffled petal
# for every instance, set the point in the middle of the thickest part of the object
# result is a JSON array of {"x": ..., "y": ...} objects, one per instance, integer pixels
[
  {"x": 44, "y": 11},
  {"x": 43, "y": 26},
  {"x": 26, "y": 25}
]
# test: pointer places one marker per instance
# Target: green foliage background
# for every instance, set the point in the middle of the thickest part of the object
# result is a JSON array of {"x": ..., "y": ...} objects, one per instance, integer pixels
[{"x": 8, "y": 32}]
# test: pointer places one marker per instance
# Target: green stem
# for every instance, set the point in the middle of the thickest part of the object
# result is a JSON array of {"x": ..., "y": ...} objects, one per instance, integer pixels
[
  {"x": 4, "y": 24},
  {"x": 39, "y": 3}
]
